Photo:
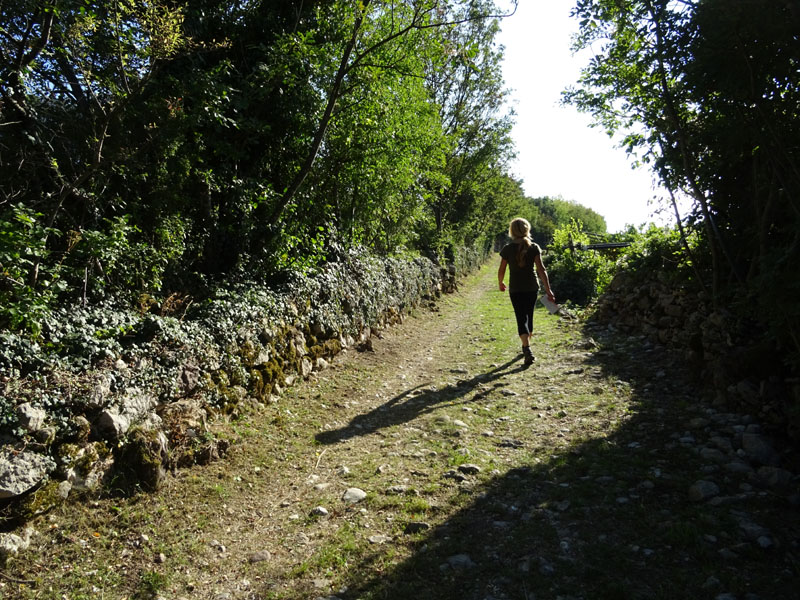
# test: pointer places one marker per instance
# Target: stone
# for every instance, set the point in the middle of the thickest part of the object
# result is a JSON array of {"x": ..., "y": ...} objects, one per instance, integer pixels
[
  {"x": 416, "y": 527},
  {"x": 379, "y": 539},
  {"x": 46, "y": 435},
  {"x": 86, "y": 468},
  {"x": 469, "y": 469},
  {"x": 22, "y": 471},
  {"x": 703, "y": 490},
  {"x": 759, "y": 449},
  {"x": 98, "y": 396},
  {"x": 188, "y": 379},
  {"x": 774, "y": 477},
  {"x": 752, "y": 531},
  {"x": 319, "y": 511},
  {"x": 354, "y": 495},
  {"x": 11, "y": 543},
  {"x": 82, "y": 428},
  {"x": 64, "y": 488},
  {"x": 738, "y": 467},
  {"x": 31, "y": 417},
  {"x": 712, "y": 455},
  {"x": 135, "y": 407},
  {"x": 460, "y": 562},
  {"x": 113, "y": 424},
  {"x": 261, "y": 556},
  {"x": 306, "y": 366},
  {"x": 765, "y": 542},
  {"x": 455, "y": 475}
]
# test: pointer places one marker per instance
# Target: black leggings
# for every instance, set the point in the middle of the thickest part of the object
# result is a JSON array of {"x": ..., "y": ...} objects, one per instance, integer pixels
[{"x": 523, "y": 303}]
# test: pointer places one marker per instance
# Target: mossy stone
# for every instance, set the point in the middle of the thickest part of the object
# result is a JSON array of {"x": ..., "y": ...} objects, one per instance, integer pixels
[
  {"x": 140, "y": 462},
  {"x": 40, "y": 501},
  {"x": 332, "y": 347}
]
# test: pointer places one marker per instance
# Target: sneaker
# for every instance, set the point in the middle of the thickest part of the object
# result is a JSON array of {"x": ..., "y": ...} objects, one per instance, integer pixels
[{"x": 526, "y": 352}]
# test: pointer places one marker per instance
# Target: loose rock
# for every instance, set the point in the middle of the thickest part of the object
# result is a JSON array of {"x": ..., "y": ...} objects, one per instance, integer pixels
[
  {"x": 460, "y": 561},
  {"x": 261, "y": 556},
  {"x": 703, "y": 490},
  {"x": 416, "y": 527},
  {"x": 21, "y": 471},
  {"x": 354, "y": 495}
]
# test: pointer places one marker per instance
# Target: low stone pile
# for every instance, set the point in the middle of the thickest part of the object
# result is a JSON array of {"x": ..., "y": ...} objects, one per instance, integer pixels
[
  {"x": 144, "y": 403},
  {"x": 733, "y": 356}
]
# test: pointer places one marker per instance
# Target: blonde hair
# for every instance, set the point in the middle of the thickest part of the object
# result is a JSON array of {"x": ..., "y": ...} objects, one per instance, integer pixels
[{"x": 520, "y": 231}]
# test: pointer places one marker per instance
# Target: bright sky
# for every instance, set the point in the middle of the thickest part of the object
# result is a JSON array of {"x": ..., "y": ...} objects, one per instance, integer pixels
[{"x": 558, "y": 153}]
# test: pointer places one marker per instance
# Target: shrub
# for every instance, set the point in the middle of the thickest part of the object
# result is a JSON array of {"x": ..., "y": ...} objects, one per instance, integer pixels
[{"x": 577, "y": 275}]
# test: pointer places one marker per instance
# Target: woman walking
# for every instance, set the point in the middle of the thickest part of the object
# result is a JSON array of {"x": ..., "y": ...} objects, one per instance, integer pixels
[{"x": 524, "y": 260}]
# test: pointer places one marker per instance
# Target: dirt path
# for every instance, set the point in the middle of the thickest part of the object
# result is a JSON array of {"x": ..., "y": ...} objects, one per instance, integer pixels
[{"x": 575, "y": 478}]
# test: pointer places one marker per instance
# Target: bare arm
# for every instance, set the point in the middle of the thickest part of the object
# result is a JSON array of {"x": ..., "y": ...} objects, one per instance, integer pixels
[
  {"x": 542, "y": 272},
  {"x": 501, "y": 274}
]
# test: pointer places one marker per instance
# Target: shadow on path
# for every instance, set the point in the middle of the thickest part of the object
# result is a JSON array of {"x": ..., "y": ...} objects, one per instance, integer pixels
[
  {"x": 608, "y": 517},
  {"x": 419, "y": 400}
]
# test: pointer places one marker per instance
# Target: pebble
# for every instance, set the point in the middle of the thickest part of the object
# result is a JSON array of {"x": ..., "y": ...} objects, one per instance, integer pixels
[
  {"x": 703, "y": 490},
  {"x": 460, "y": 561},
  {"x": 469, "y": 469},
  {"x": 379, "y": 539},
  {"x": 319, "y": 511},
  {"x": 416, "y": 527},
  {"x": 354, "y": 495},
  {"x": 455, "y": 475},
  {"x": 261, "y": 556},
  {"x": 765, "y": 542}
]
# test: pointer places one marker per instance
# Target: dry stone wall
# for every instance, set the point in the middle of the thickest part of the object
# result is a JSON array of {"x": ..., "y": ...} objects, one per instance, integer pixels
[
  {"x": 142, "y": 402},
  {"x": 733, "y": 356}
]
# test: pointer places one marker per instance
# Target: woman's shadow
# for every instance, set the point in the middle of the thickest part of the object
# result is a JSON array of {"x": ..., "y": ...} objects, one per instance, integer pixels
[{"x": 417, "y": 401}]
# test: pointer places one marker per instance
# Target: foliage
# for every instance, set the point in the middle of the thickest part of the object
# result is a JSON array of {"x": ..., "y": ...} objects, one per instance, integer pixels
[
  {"x": 30, "y": 281},
  {"x": 555, "y": 213},
  {"x": 165, "y": 147},
  {"x": 578, "y": 275},
  {"x": 657, "y": 249},
  {"x": 706, "y": 93}
]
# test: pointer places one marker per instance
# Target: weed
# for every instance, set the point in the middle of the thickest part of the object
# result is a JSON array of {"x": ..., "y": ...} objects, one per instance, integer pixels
[{"x": 150, "y": 584}]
